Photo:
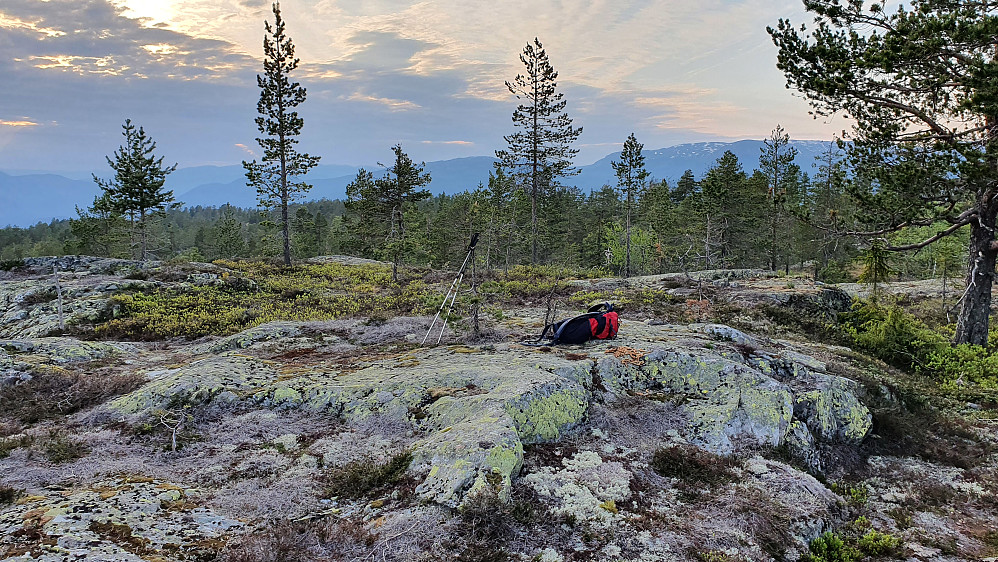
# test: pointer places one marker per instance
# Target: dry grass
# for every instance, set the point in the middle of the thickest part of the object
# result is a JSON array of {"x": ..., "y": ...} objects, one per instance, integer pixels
[{"x": 59, "y": 393}]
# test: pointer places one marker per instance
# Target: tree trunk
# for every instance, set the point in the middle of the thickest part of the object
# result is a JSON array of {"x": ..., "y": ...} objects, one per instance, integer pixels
[
  {"x": 972, "y": 323},
  {"x": 627, "y": 262}
]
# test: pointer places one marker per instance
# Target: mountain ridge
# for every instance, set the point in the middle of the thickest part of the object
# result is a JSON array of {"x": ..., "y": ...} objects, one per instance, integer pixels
[{"x": 27, "y": 199}]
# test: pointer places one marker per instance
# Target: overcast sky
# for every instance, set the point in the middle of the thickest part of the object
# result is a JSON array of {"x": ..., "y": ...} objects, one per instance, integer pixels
[{"x": 427, "y": 74}]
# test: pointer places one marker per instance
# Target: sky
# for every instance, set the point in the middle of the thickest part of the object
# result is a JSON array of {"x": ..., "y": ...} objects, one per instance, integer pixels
[{"x": 429, "y": 75}]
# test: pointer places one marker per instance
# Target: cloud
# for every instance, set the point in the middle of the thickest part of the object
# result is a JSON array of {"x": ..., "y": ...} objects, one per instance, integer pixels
[
  {"x": 451, "y": 142},
  {"x": 95, "y": 37},
  {"x": 392, "y": 104},
  {"x": 246, "y": 149}
]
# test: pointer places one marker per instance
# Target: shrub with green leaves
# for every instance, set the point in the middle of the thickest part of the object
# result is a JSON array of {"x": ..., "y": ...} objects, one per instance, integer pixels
[
  {"x": 875, "y": 543},
  {"x": 60, "y": 448},
  {"x": 829, "y": 547},
  {"x": 257, "y": 293},
  {"x": 964, "y": 364},
  {"x": 891, "y": 334}
]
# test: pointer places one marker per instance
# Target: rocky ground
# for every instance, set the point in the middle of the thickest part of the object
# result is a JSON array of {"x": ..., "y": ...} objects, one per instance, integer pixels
[{"x": 347, "y": 440}]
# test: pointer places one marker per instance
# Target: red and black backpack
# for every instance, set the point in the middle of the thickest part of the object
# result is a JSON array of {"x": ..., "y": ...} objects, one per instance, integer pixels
[{"x": 600, "y": 322}]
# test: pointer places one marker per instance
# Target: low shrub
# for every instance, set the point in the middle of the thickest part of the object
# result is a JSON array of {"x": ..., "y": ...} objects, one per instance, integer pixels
[
  {"x": 829, "y": 547},
  {"x": 892, "y": 335},
  {"x": 9, "y": 495},
  {"x": 60, "y": 448},
  {"x": 10, "y": 265},
  {"x": 365, "y": 477},
  {"x": 59, "y": 393},
  {"x": 693, "y": 466},
  {"x": 855, "y": 495},
  {"x": 875, "y": 543},
  {"x": 964, "y": 364},
  {"x": 10, "y": 443}
]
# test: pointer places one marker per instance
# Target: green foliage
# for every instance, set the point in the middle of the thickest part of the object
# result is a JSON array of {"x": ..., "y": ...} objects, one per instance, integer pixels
[
  {"x": 365, "y": 477},
  {"x": 876, "y": 266},
  {"x": 8, "y": 444},
  {"x": 891, "y": 334},
  {"x": 278, "y": 123},
  {"x": 136, "y": 192},
  {"x": 910, "y": 78},
  {"x": 829, "y": 547},
  {"x": 300, "y": 293},
  {"x": 875, "y": 543},
  {"x": 539, "y": 151},
  {"x": 964, "y": 364},
  {"x": 895, "y": 336},
  {"x": 8, "y": 265},
  {"x": 855, "y": 495}
]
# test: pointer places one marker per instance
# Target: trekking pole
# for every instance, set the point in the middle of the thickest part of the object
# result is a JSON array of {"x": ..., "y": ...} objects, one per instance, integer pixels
[{"x": 454, "y": 288}]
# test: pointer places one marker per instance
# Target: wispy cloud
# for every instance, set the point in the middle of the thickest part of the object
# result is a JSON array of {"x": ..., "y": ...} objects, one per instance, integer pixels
[
  {"x": 392, "y": 104},
  {"x": 450, "y": 142},
  {"x": 246, "y": 149},
  {"x": 17, "y": 123}
]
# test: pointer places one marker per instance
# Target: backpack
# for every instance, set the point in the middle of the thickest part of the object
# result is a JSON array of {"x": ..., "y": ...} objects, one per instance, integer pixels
[{"x": 600, "y": 322}]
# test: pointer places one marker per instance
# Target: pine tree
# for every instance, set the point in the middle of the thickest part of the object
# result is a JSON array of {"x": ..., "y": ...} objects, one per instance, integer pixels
[
  {"x": 540, "y": 151},
  {"x": 631, "y": 177},
  {"x": 137, "y": 191},
  {"x": 387, "y": 200},
  {"x": 273, "y": 177},
  {"x": 777, "y": 163},
  {"x": 920, "y": 83},
  {"x": 229, "y": 242}
]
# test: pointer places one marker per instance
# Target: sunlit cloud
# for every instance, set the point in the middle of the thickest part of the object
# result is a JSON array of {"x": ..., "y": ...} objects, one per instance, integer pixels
[
  {"x": 12, "y": 23},
  {"x": 18, "y": 123},
  {"x": 451, "y": 142},
  {"x": 246, "y": 149},
  {"x": 392, "y": 104}
]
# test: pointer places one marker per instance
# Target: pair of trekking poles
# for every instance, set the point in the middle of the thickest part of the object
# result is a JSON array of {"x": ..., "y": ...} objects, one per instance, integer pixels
[{"x": 451, "y": 295}]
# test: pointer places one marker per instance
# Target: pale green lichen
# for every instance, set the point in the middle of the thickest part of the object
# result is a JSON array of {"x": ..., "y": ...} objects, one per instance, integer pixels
[{"x": 545, "y": 417}]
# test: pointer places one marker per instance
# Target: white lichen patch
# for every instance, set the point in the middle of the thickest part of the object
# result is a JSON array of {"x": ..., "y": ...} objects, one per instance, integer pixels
[{"x": 585, "y": 490}]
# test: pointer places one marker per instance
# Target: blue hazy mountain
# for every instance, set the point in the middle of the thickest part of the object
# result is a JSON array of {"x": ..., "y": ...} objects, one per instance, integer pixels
[
  {"x": 33, "y": 198},
  {"x": 670, "y": 163},
  {"x": 26, "y": 199}
]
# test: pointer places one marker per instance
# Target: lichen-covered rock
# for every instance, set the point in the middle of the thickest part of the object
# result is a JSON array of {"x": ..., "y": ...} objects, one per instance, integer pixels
[
  {"x": 228, "y": 376},
  {"x": 478, "y": 408},
  {"x": 125, "y": 519},
  {"x": 832, "y": 410},
  {"x": 270, "y": 331}
]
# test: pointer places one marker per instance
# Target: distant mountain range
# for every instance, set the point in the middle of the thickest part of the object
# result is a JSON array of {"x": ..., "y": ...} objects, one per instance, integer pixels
[{"x": 27, "y": 198}]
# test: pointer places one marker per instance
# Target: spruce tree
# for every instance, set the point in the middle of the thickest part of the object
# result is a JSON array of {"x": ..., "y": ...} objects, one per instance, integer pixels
[
  {"x": 137, "y": 191},
  {"x": 540, "y": 151},
  {"x": 273, "y": 177},
  {"x": 631, "y": 177}
]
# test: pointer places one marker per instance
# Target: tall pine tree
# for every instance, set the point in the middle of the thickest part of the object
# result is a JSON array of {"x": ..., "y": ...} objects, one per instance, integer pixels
[
  {"x": 921, "y": 84},
  {"x": 540, "y": 151},
  {"x": 631, "y": 177},
  {"x": 273, "y": 177},
  {"x": 776, "y": 161},
  {"x": 137, "y": 191}
]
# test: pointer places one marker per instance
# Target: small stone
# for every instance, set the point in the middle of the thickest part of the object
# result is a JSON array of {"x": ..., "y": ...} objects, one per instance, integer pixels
[{"x": 757, "y": 467}]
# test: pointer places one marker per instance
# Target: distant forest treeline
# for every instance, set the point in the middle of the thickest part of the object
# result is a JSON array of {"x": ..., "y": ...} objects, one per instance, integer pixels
[{"x": 725, "y": 218}]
